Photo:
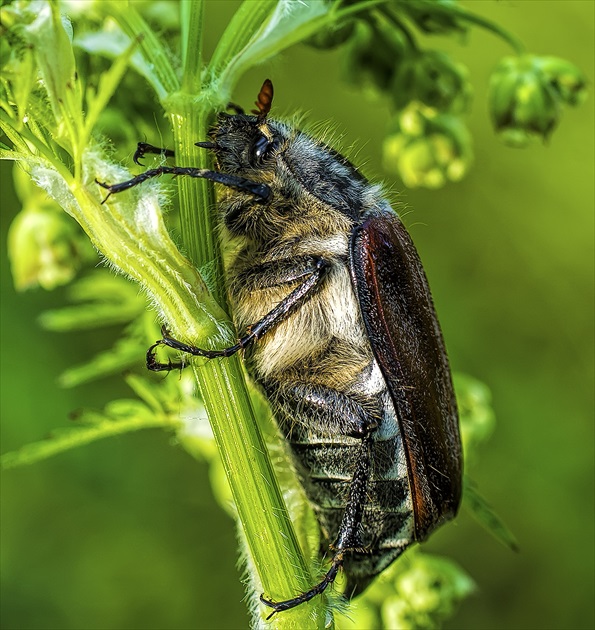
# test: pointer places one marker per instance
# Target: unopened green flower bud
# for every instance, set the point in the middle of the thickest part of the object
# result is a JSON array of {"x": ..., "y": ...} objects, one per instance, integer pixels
[
  {"x": 432, "y": 78},
  {"x": 526, "y": 94},
  {"x": 332, "y": 36},
  {"x": 45, "y": 246},
  {"x": 431, "y": 587},
  {"x": 565, "y": 78},
  {"x": 428, "y": 149},
  {"x": 373, "y": 56},
  {"x": 397, "y": 613}
]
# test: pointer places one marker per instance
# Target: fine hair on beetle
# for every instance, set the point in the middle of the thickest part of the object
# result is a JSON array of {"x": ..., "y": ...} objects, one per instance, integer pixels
[{"x": 340, "y": 334}]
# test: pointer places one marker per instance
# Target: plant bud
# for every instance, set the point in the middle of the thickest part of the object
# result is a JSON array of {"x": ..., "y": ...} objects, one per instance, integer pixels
[
  {"x": 427, "y": 149},
  {"x": 434, "y": 16},
  {"x": 429, "y": 589},
  {"x": 432, "y": 78},
  {"x": 566, "y": 79},
  {"x": 373, "y": 57},
  {"x": 523, "y": 101},
  {"x": 332, "y": 36},
  {"x": 45, "y": 246}
]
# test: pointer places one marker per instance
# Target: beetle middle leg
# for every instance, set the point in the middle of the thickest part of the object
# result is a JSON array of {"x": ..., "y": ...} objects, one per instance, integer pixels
[
  {"x": 348, "y": 538},
  {"x": 275, "y": 316}
]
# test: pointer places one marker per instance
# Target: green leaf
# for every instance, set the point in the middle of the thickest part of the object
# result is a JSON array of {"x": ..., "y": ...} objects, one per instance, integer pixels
[
  {"x": 161, "y": 76},
  {"x": 289, "y": 23},
  {"x": 104, "y": 300},
  {"x": 113, "y": 44},
  {"x": 121, "y": 416},
  {"x": 126, "y": 353},
  {"x": 485, "y": 515},
  {"x": 50, "y": 36},
  {"x": 108, "y": 84},
  {"x": 154, "y": 397}
]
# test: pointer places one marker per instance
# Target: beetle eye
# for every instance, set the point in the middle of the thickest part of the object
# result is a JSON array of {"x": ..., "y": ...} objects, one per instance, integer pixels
[{"x": 262, "y": 147}]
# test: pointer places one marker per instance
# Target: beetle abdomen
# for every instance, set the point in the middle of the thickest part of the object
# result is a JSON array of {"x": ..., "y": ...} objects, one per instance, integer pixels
[{"x": 326, "y": 466}]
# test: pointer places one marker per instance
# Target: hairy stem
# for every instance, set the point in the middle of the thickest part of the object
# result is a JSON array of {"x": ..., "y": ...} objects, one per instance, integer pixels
[{"x": 268, "y": 531}]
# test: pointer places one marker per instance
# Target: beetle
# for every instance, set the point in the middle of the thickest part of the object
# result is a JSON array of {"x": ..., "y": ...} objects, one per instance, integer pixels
[{"x": 342, "y": 337}]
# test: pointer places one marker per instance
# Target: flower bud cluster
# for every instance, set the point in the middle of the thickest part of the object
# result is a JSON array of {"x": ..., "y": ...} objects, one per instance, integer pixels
[
  {"x": 434, "y": 17},
  {"x": 527, "y": 94},
  {"x": 418, "y": 591},
  {"x": 427, "y": 148},
  {"x": 428, "y": 144}
]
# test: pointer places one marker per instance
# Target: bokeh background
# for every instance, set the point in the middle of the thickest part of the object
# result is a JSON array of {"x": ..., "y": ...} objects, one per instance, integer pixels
[{"x": 125, "y": 533}]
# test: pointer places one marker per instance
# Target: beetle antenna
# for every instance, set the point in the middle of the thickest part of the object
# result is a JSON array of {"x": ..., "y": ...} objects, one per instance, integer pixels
[{"x": 264, "y": 100}]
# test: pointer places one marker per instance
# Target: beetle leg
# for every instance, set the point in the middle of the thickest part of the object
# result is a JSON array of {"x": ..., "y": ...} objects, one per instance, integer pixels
[
  {"x": 261, "y": 191},
  {"x": 272, "y": 274},
  {"x": 236, "y": 109},
  {"x": 142, "y": 148},
  {"x": 348, "y": 538},
  {"x": 157, "y": 366},
  {"x": 256, "y": 331},
  {"x": 324, "y": 410}
]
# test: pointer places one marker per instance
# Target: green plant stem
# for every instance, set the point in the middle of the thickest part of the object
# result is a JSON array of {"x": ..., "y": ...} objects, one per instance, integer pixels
[
  {"x": 399, "y": 24},
  {"x": 247, "y": 20},
  {"x": 486, "y": 24},
  {"x": 163, "y": 80},
  {"x": 268, "y": 530},
  {"x": 189, "y": 120},
  {"x": 192, "y": 14}
]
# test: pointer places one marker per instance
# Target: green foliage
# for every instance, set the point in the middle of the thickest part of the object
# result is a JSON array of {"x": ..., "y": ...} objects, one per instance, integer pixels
[
  {"x": 119, "y": 416},
  {"x": 46, "y": 248},
  {"x": 61, "y": 93},
  {"x": 418, "y": 592},
  {"x": 101, "y": 299},
  {"x": 485, "y": 515}
]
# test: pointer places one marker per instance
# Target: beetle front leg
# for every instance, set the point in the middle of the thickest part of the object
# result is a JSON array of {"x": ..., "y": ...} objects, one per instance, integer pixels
[
  {"x": 261, "y": 192},
  {"x": 348, "y": 539},
  {"x": 273, "y": 273},
  {"x": 142, "y": 148}
]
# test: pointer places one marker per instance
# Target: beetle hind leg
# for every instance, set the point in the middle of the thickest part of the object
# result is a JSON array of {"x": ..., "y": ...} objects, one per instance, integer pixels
[
  {"x": 348, "y": 539},
  {"x": 318, "y": 589}
]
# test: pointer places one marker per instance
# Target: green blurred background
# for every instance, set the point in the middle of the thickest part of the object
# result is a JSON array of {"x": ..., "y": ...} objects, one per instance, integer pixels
[{"x": 125, "y": 533}]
